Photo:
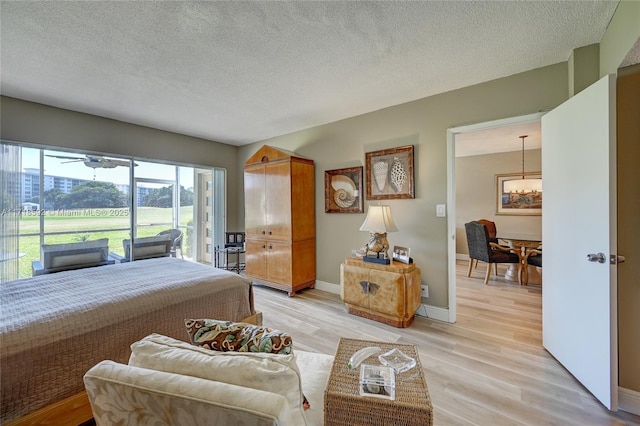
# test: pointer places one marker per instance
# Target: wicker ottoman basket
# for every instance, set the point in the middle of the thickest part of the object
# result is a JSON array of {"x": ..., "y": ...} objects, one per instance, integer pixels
[{"x": 344, "y": 406}]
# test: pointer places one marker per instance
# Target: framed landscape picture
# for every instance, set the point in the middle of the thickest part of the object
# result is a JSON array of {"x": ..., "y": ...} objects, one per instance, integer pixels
[
  {"x": 517, "y": 203},
  {"x": 390, "y": 173},
  {"x": 343, "y": 190}
]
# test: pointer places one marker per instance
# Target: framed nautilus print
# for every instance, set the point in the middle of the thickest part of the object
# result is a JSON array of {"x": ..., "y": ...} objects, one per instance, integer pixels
[
  {"x": 390, "y": 173},
  {"x": 343, "y": 190}
]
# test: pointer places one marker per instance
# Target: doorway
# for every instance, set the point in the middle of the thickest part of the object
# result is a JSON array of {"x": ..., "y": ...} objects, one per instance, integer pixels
[{"x": 452, "y": 226}]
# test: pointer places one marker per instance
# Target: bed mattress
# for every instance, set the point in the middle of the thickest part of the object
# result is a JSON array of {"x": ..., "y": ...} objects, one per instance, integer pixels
[{"x": 54, "y": 327}]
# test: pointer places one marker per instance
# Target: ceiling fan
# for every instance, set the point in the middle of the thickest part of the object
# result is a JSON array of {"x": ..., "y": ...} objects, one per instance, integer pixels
[{"x": 94, "y": 161}]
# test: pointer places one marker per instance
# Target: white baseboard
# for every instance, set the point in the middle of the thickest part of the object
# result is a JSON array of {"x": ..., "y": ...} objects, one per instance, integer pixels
[
  {"x": 328, "y": 287},
  {"x": 629, "y": 400},
  {"x": 433, "y": 312}
]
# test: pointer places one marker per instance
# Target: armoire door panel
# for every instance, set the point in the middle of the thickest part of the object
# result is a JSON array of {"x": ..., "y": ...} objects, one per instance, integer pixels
[
  {"x": 279, "y": 262},
  {"x": 278, "y": 200},
  {"x": 256, "y": 259},
  {"x": 255, "y": 217}
]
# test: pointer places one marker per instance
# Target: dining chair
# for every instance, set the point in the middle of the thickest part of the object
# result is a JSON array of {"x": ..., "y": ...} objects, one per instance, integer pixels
[
  {"x": 532, "y": 257},
  {"x": 491, "y": 228},
  {"x": 482, "y": 248}
]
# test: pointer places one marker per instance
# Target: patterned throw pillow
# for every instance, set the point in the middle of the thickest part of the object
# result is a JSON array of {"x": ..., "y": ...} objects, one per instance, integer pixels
[{"x": 237, "y": 336}]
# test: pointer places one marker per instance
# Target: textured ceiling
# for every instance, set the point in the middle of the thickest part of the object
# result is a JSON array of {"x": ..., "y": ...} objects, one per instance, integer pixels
[
  {"x": 499, "y": 139},
  {"x": 240, "y": 72}
]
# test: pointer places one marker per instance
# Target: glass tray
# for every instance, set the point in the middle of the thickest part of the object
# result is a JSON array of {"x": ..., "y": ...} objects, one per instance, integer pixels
[{"x": 397, "y": 360}]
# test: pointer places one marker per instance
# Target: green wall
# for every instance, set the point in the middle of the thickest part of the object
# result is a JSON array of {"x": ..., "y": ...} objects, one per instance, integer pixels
[
  {"x": 29, "y": 122},
  {"x": 422, "y": 123},
  {"x": 621, "y": 35}
]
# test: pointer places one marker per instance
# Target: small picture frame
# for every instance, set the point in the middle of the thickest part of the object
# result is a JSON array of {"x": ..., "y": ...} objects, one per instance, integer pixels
[
  {"x": 401, "y": 254},
  {"x": 343, "y": 190},
  {"x": 390, "y": 173}
]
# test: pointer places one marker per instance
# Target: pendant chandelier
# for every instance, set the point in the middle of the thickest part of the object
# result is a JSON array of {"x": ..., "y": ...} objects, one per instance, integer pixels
[{"x": 523, "y": 186}]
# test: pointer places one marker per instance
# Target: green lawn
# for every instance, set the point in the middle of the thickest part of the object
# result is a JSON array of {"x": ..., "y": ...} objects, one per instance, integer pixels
[{"x": 82, "y": 224}]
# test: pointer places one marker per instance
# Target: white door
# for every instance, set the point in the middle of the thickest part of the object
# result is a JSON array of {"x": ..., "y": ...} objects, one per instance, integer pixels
[{"x": 579, "y": 297}]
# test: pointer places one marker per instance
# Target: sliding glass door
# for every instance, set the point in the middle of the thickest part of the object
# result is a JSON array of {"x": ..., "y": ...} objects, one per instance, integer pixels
[
  {"x": 81, "y": 198},
  {"x": 64, "y": 197}
]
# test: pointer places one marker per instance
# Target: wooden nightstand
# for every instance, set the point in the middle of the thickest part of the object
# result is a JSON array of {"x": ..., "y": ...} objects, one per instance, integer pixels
[{"x": 385, "y": 293}]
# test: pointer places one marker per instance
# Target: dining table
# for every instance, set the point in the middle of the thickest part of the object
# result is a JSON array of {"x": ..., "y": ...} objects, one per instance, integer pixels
[{"x": 524, "y": 243}]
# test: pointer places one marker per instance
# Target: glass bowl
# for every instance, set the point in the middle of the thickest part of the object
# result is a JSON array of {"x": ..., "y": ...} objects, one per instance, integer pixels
[{"x": 397, "y": 360}]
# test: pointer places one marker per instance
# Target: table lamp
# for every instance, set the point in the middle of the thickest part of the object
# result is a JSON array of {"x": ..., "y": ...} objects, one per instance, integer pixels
[{"x": 378, "y": 222}]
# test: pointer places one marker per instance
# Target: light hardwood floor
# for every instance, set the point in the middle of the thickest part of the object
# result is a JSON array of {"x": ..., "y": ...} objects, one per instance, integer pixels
[{"x": 489, "y": 368}]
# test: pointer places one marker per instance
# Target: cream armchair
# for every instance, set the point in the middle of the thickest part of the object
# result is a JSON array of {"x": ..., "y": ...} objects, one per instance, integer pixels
[
  {"x": 127, "y": 395},
  {"x": 168, "y": 381}
]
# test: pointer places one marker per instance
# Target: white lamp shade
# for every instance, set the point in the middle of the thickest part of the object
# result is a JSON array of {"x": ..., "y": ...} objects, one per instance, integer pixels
[
  {"x": 379, "y": 220},
  {"x": 523, "y": 185}
]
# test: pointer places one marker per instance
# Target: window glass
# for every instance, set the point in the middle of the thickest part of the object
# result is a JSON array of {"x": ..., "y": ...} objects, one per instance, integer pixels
[
  {"x": 85, "y": 198},
  {"x": 31, "y": 210},
  {"x": 72, "y": 197},
  {"x": 186, "y": 212}
]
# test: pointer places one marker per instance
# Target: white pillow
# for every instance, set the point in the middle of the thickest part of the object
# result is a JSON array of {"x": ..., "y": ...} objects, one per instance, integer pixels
[{"x": 275, "y": 373}]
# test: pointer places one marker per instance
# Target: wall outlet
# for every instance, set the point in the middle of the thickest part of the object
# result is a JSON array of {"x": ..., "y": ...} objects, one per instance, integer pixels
[
  {"x": 425, "y": 290},
  {"x": 441, "y": 210}
]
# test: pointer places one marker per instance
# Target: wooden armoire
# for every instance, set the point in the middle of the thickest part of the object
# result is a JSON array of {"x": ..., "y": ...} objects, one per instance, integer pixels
[{"x": 280, "y": 226}]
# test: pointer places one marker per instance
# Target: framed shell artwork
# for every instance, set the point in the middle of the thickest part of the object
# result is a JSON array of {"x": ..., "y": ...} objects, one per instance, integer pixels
[
  {"x": 390, "y": 173},
  {"x": 343, "y": 190}
]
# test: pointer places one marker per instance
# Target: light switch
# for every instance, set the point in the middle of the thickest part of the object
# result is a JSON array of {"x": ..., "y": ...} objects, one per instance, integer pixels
[{"x": 441, "y": 210}]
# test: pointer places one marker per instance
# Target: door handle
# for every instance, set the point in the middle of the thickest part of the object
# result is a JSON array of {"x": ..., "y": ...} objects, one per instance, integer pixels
[
  {"x": 616, "y": 258},
  {"x": 599, "y": 257}
]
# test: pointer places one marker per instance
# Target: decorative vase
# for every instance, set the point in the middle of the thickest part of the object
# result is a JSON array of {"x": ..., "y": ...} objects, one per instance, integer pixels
[
  {"x": 380, "y": 172},
  {"x": 398, "y": 174}
]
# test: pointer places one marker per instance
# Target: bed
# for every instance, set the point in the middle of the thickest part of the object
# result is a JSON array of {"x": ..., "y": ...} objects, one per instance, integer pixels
[{"x": 54, "y": 327}]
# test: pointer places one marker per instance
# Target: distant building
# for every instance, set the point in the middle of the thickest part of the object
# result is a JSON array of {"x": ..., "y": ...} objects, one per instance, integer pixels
[
  {"x": 31, "y": 183},
  {"x": 143, "y": 191}
]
